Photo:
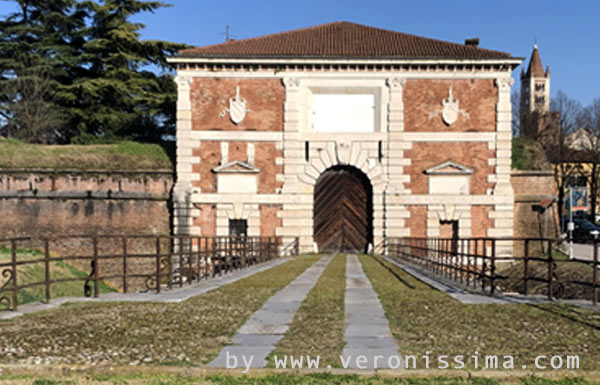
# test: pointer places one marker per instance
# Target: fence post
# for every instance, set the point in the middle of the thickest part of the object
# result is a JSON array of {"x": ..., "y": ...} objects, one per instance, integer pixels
[
  {"x": 550, "y": 270},
  {"x": 47, "y": 268},
  {"x": 13, "y": 258},
  {"x": 170, "y": 243},
  {"x": 180, "y": 252},
  {"x": 595, "y": 275},
  {"x": 526, "y": 269},
  {"x": 157, "y": 265},
  {"x": 474, "y": 269},
  {"x": 438, "y": 258},
  {"x": 198, "y": 257},
  {"x": 484, "y": 264},
  {"x": 447, "y": 259},
  {"x": 124, "y": 264},
  {"x": 469, "y": 256},
  {"x": 493, "y": 268},
  {"x": 96, "y": 268},
  {"x": 462, "y": 259}
]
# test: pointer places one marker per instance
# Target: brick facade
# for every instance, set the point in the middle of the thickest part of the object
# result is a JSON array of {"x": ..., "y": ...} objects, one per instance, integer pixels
[
  {"x": 424, "y": 155},
  {"x": 210, "y": 96},
  {"x": 477, "y": 97},
  {"x": 263, "y": 167}
]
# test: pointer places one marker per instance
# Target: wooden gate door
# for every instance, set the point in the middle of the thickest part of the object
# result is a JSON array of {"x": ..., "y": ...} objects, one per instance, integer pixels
[{"x": 343, "y": 211}]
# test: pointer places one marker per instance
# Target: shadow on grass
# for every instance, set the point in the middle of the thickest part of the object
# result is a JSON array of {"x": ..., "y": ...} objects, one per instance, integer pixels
[
  {"x": 571, "y": 313},
  {"x": 398, "y": 277}
]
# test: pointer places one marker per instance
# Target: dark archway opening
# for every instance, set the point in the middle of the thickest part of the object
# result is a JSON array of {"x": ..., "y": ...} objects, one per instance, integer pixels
[{"x": 343, "y": 210}]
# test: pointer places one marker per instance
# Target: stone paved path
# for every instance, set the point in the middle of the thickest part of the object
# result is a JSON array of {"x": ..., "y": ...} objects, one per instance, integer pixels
[
  {"x": 175, "y": 295},
  {"x": 259, "y": 335},
  {"x": 367, "y": 329}
]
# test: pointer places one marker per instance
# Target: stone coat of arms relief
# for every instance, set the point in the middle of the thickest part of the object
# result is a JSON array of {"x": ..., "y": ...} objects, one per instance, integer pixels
[
  {"x": 450, "y": 110},
  {"x": 237, "y": 108}
]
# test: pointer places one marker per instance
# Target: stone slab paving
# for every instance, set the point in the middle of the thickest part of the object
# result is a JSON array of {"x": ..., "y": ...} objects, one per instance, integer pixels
[
  {"x": 257, "y": 338},
  {"x": 174, "y": 295},
  {"x": 367, "y": 330}
]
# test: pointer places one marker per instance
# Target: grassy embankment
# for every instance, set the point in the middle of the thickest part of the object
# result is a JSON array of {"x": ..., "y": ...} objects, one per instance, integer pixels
[
  {"x": 566, "y": 271},
  {"x": 528, "y": 155},
  {"x": 36, "y": 272},
  {"x": 126, "y": 156}
]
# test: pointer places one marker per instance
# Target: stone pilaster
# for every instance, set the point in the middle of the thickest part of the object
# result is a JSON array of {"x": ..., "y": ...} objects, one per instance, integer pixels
[
  {"x": 296, "y": 217},
  {"x": 395, "y": 215},
  {"x": 184, "y": 210},
  {"x": 503, "y": 213}
]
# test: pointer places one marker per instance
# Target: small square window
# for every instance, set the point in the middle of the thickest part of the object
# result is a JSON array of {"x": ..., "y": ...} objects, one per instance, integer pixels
[{"x": 238, "y": 227}]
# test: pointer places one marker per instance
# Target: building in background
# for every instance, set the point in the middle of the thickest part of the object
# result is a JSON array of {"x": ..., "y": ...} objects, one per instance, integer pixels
[
  {"x": 537, "y": 122},
  {"x": 535, "y": 85},
  {"x": 344, "y": 135}
]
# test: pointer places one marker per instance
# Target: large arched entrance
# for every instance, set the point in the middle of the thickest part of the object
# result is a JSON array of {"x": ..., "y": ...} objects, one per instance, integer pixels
[{"x": 343, "y": 210}]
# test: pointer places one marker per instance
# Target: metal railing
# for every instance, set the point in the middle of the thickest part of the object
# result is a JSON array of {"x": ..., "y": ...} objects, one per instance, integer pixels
[
  {"x": 127, "y": 263},
  {"x": 486, "y": 264}
]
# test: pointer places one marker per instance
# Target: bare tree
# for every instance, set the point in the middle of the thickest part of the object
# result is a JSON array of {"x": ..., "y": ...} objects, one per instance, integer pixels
[
  {"x": 532, "y": 125},
  {"x": 563, "y": 120},
  {"x": 590, "y": 122},
  {"x": 515, "y": 101},
  {"x": 26, "y": 107}
]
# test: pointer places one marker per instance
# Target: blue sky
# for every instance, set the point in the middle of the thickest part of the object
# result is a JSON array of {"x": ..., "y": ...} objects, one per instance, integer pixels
[{"x": 567, "y": 33}]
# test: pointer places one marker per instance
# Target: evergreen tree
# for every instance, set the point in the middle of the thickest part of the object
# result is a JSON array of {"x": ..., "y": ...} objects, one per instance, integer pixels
[
  {"x": 39, "y": 48},
  {"x": 92, "y": 64},
  {"x": 118, "y": 97}
]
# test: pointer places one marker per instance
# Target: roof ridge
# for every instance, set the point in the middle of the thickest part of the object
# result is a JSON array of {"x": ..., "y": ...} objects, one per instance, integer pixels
[
  {"x": 350, "y": 39},
  {"x": 262, "y": 37}
]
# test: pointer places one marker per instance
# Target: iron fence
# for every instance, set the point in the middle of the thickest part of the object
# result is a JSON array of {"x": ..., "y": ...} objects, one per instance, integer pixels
[
  {"x": 127, "y": 263},
  {"x": 505, "y": 264}
]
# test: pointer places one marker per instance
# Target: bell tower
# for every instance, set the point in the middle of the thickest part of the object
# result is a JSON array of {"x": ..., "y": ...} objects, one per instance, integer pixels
[
  {"x": 535, "y": 86},
  {"x": 535, "y": 96}
]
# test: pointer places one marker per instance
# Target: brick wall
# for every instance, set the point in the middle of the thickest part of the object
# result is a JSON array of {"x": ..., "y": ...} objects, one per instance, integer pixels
[
  {"x": 480, "y": 220},
  {"x": 56, "y": 203},
  {"x": 269, "y": 220},
  {"x": 475, "y": 96},
  {"x": 266, "y": 154},
  {"x": 80, "y": 204},
  {"x": 424, "y": 155},
  {"x": 207, "y": 219},
  {"x": 210, "y": 97},
  {"x": 417, "y": 223},
  {"x": 532, "y": 188}
]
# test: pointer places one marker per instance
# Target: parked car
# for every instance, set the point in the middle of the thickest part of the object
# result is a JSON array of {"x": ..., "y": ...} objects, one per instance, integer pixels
[{"x": 584, "y": 231}]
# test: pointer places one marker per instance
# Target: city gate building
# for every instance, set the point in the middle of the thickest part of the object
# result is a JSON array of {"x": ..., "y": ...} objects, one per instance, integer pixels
[{"x": 344, "y": 135}]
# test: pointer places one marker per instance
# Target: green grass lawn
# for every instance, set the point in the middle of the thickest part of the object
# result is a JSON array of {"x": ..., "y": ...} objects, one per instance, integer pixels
[
  {"x": 318, "y": 326},
  {"x": 188, "y": 333},
  {"x": 36, "y": 273},
  {"x": 278, "y": 379},
  {"x": 128, "y": 156},
  {"x": 425, "y": 320}
]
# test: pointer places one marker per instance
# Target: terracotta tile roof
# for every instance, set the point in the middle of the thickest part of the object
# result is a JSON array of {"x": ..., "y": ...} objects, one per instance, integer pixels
[
  {"x": 341, "y": 40},
  {"x": 536, "y": 69}
]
